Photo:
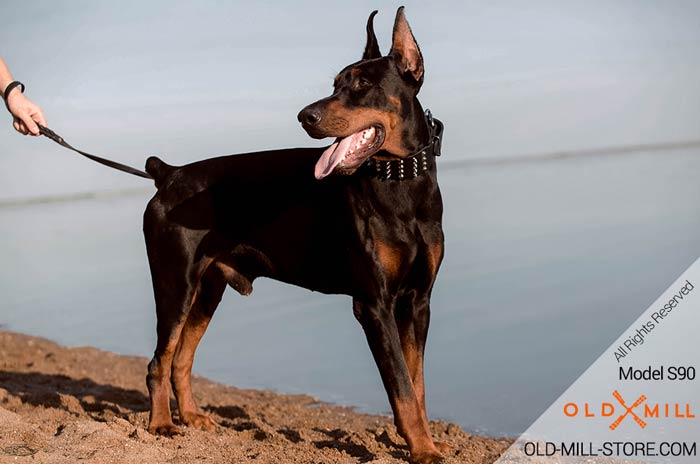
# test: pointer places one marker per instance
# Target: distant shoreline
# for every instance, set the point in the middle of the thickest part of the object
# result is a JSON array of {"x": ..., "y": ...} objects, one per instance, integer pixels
[{"x": 445, "y": 163}]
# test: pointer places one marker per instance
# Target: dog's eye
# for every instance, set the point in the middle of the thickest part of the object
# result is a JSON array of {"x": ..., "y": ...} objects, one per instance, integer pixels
[{"x": 362, "y": 83}]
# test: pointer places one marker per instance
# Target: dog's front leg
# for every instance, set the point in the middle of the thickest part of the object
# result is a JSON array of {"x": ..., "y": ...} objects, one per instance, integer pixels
[
  {"x": 379, "y": 325},
  {"x": 412, "y": 317}
]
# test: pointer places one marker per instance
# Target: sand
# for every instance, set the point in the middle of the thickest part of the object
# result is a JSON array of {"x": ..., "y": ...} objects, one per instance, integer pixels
[{"x": 67, "y": 405}]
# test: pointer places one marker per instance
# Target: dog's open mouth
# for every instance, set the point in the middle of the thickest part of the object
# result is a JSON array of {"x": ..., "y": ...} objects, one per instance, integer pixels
[{"x": 347, "y": 153}]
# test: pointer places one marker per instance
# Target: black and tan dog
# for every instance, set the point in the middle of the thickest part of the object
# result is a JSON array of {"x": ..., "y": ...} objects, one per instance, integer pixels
[{"x": 373, "y": 233}]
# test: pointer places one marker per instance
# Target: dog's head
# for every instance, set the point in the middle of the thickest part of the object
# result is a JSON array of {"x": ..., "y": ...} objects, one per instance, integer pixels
[{"x": 370, "y": 99}]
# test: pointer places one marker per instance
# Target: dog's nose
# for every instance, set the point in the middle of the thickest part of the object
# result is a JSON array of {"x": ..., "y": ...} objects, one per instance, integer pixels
[{"x": 309, "y": 116}]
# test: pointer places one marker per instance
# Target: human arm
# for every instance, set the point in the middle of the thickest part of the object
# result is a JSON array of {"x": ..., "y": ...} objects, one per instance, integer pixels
[{"x": 26, "y": 114}]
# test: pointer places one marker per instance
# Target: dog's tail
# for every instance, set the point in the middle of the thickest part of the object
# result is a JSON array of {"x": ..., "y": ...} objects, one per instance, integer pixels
[{"x": 158, "y": 169}]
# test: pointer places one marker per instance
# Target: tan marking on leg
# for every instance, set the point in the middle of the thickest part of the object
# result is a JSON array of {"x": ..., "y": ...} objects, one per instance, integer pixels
[
  {"x": 192, "y": 333},
  {"x": 419, "y": 388},
  {"x": 389, "y": 258},
  {"x": 159, "y": 374},
  {"x": 160, "y": 420},
  {"x": 414, "y": 362},
  {"x": 435, "y": 253},
  {"x": 413, "y": 428}
]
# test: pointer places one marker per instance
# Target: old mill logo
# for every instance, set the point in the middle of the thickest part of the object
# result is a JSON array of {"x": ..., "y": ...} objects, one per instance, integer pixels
[{"x": 640, "y": 411}]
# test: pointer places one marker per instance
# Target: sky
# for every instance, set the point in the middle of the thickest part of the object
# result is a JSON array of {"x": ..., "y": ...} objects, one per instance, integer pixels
[{"x": 190, "y": 80}]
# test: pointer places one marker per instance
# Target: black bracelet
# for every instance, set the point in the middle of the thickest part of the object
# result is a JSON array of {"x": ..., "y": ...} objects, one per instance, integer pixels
[{"x": 9, "y": 89}]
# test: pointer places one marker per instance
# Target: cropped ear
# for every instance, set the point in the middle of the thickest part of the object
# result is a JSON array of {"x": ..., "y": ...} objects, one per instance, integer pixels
[
  {"x": 372, "y": 47},
  {"x": 404, "y": 48}
]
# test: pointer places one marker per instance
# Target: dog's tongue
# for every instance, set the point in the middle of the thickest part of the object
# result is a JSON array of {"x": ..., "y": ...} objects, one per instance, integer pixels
[{"x": 335, "y": 154}]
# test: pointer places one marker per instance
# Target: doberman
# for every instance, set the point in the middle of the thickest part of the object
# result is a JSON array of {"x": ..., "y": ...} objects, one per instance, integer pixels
[{"x": 371, "y": 231}]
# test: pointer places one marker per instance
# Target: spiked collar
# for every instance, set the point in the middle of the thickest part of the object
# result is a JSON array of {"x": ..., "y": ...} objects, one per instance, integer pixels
[{"x": 412, "y": 166}]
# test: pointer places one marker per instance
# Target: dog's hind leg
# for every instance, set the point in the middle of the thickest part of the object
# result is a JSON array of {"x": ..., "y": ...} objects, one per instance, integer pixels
[
  {"x": 174, "y": 298},
  {"x": 176, "y": 278},
  {"x": 212, "y": 288},
  {"x": 172, "y": 312}
]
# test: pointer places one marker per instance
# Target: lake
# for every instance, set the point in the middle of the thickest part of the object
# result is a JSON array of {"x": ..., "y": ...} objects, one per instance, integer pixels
[{"x": 547, "y": 262}]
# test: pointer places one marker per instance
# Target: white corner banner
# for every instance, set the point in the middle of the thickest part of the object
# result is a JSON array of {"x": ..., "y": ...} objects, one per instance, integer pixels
[{"x": 639, "y": 401}]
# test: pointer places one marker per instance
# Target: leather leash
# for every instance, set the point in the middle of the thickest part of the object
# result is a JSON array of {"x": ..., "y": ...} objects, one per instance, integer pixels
[{"x": 46, "y": 132}]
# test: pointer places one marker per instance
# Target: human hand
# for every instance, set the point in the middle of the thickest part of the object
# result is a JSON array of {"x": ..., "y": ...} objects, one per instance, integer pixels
[{"x": 26, "y": 113}]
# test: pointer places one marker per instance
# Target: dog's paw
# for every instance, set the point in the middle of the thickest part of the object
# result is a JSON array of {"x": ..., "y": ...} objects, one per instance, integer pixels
[
  {"x": 199, "y": 421},
  {"x": 443, "y": 447},
  {"x": 165, "y": 430},
  {"x": 427, "y": 457}
]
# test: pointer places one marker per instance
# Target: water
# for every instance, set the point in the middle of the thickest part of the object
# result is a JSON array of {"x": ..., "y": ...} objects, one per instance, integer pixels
[
  {"x": 538, "y": 253},
  {"x": 547, "y": 262}
]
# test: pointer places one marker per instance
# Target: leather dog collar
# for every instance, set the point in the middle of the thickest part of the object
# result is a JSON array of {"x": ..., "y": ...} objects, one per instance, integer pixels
[{"x": 411, "y": 166}]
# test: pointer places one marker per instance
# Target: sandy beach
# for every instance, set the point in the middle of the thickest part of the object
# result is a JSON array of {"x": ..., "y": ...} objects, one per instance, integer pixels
[{"x": 63, "y": 405}]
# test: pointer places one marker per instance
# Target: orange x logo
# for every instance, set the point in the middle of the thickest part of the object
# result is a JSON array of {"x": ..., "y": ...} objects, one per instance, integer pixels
[{"x": 628, "y": 410}]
